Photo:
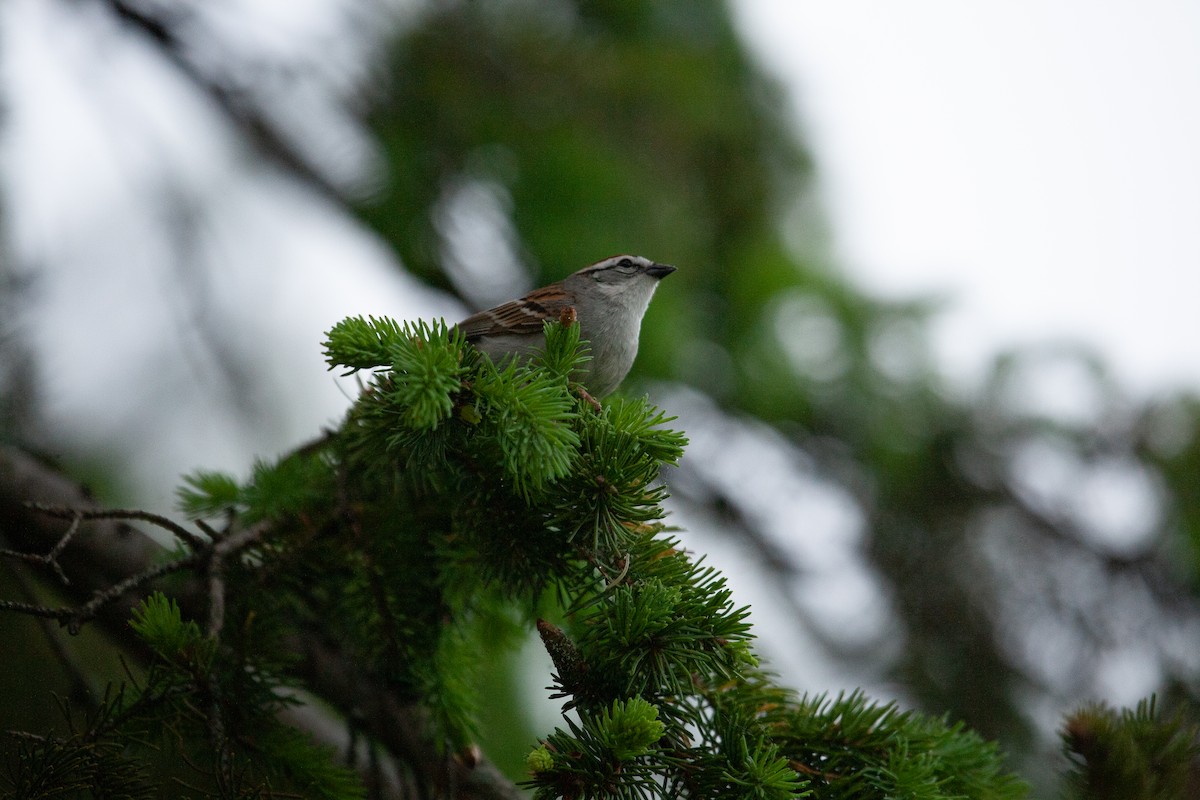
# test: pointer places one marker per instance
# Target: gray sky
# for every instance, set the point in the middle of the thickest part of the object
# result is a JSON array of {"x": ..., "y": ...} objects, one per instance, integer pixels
[{"x": 1035, "y": 161}]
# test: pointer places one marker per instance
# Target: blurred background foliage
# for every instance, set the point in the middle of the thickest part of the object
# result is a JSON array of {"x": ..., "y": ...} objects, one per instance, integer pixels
[{"x": 1025, "y": 548}]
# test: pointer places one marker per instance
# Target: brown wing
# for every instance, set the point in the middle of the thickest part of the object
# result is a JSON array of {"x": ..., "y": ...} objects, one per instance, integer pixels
[{"x": 524, "y": 316}]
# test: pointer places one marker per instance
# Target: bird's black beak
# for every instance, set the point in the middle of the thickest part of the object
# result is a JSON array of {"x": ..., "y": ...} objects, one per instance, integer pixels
[{"x": 659, "y": 270}]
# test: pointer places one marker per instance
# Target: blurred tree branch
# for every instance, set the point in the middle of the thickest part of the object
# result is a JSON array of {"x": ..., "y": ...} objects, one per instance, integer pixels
[{"x": 160, "y": 24}]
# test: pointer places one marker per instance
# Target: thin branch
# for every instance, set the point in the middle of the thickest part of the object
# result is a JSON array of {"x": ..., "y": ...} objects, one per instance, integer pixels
[
  {"x": 34, "y": 558},
  {"x": 34, "y": 609},
  {"x": 239, "y": 540},
  {"x": 88, "y": 610},
  {"x": 78, "y": 514},
  {"x": 74, "y": 618},
  {"x": 56, "y": 551},
  {"x": 208, "y": 555},
  {"x": 50, "y": 559},
  {"x": 222, "y": 548}
]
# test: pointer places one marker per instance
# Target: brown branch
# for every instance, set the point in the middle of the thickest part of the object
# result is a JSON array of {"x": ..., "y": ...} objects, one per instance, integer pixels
[
  {"x": 77, "y": 515},
  {"x": 106, "y": 553},
  {"x": 75, "y": 618},
  {"x": 50, "y": 559},
  {"x": 222, "y": 548}
]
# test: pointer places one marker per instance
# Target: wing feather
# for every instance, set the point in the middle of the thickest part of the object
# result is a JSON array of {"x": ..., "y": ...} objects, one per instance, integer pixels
[{"x": 524, "y": 316}]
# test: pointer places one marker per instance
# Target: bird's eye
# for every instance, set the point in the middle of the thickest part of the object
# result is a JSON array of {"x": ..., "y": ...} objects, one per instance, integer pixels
[{"x": 625, "y": 263}]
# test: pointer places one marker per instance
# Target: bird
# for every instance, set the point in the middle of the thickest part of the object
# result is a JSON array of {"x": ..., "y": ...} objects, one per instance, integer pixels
[{"x": 609, "y": 298}]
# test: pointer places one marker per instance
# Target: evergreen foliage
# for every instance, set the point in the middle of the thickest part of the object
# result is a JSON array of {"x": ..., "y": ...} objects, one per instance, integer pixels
[
  {"x": 428, "y": 519},
  {"x": 1132, "y": 754},
  {"x": 84, "y": 763},
  {"x": 421, "y": 536},
  {"x": 198, "y": 704}
]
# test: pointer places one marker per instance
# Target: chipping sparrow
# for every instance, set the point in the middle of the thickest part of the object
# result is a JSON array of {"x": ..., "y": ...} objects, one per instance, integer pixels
[{"x": 609, "y": 299}]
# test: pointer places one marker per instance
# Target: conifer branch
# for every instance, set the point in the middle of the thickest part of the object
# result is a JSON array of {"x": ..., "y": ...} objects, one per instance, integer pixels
[
  {"x": 106, "y": 553},
  {"x": 379, "y": 560}
]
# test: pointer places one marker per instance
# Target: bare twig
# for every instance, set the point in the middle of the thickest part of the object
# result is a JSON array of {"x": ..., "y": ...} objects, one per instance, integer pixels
[
  {"x": 207, "y": 554},
  {"x": 78, "y": 514},
  {"x": 87, "y": 611},
  {"x": 74, "y": 618},
  {"x": 30, "y": 609},
  {"x": 50, "y": 559},
  {"x": 240, "y": 539},
  {"x": 34, "y": 558},
  {"x": 222, "y": 548}
]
